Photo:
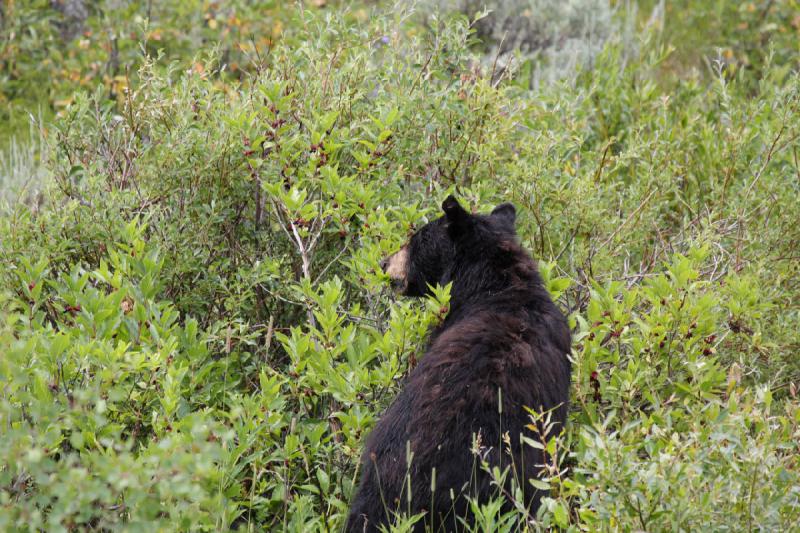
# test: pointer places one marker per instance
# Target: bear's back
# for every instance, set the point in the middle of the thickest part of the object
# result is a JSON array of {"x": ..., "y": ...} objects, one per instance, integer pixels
[{"x": 466, "y": 402}]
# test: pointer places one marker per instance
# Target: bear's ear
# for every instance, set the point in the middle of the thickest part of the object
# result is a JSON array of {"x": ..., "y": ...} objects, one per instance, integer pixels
[
  {"x": 507, "y": 214},
  {"x": 457, "y": 217}
]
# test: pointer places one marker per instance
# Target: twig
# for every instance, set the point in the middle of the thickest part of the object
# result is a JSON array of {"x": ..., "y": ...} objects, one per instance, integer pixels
[
  {"x": 571, "y": 238},
  {"x": 270, "y": 333},
  {"x": 602, "y": 165},
  {"x": 619, "y": 228},
  {"x": 332, "y": 261},
  {"x": 767, "y": 160},
  {"x": 496, "y": 57}
]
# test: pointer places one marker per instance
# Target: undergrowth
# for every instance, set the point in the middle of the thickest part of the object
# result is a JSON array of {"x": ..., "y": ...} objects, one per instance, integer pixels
[{"x": 196, "y": 334}]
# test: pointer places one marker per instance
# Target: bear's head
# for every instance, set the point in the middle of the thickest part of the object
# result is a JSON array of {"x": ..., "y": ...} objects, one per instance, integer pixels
[{"x": 428, "y": 258}]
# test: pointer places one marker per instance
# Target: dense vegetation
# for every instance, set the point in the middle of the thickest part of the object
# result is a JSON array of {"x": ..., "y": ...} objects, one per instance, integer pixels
[{"x": 195, "y": 333}]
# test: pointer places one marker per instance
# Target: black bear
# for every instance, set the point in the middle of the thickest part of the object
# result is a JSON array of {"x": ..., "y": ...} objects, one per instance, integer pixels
[{"x": 502, "y": 347}]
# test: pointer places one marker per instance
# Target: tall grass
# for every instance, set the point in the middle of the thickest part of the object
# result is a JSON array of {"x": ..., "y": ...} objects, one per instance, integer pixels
[{"x": 22, "y": 169}]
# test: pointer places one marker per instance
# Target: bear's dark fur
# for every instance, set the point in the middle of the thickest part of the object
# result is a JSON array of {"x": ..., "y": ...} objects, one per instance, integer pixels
[{"x": 503, "y": 341}]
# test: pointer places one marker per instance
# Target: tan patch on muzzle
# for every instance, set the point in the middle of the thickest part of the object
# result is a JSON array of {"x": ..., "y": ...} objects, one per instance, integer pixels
[{"x": 396, "y": 266}]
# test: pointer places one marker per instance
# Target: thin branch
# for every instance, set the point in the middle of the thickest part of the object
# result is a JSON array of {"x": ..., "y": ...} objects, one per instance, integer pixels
[
  {"x": 332, "y": 261},
  {"x": 630, "y": 217}
]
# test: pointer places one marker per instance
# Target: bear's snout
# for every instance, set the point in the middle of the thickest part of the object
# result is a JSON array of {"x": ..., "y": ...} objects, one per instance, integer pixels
[{"x": 396, "y": 267}]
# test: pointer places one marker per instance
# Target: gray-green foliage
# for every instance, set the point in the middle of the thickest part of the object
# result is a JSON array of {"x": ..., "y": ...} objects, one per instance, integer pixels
[
  {"x": 556, "y": 38},
  {"x": 22, "y": 170},
  {"x": 196, "y": 335}
]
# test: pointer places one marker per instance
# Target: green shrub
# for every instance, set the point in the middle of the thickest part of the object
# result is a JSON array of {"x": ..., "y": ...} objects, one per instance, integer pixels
[{"x": 98, "y": 428}]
